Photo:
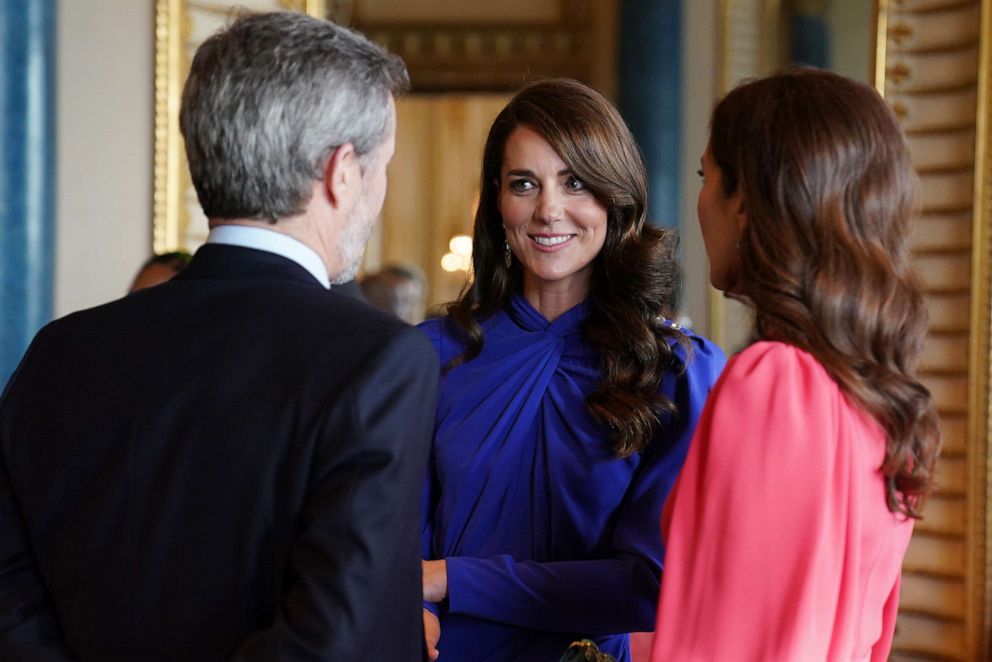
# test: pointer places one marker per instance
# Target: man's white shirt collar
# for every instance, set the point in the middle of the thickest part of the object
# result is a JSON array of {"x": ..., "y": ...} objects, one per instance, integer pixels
[{"x": 249, "y": 236}]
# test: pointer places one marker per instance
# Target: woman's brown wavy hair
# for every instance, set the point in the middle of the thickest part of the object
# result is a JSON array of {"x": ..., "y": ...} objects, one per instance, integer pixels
[
  {"x": 634, "y": 275},
  {"x": 829, "y": 191}
]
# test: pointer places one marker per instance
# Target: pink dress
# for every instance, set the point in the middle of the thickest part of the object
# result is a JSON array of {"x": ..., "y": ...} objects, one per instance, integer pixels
[{"x": 780, "y": 545}]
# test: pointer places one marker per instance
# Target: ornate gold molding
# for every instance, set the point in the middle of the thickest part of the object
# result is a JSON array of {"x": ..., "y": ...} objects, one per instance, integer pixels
[
  {"x": 496, "y": 53},
  {"x": 935, "y": 71},
  {"x": 980, "y": 468},
  {"x": 486, "y": 57},
  {"x": 168, "y": 147},
  {"x": 316, "y": 8},
  {"x": 881, "y": 41}
]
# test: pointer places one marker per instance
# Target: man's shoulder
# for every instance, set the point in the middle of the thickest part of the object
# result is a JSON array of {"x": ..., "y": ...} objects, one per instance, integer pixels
[
  {"x": 346, "y": 317},
  {"x": 352, "y": 335},
  {"x": 310, "y": 328}
]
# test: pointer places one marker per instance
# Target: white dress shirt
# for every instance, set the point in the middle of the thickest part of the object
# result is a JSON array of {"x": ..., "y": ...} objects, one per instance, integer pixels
[{"x": 250, "y": 236}]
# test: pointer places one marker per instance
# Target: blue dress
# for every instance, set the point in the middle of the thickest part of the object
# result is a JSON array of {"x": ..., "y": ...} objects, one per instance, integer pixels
[{"x": 549, "y": 536}]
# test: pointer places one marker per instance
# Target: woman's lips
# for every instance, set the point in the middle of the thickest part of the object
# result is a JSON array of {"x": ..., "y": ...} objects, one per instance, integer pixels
[{"x": 550, "y": 243}]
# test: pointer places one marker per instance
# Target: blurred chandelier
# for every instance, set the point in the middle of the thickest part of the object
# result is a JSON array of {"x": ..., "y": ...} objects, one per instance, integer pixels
[{"x": 459, "y": 257}]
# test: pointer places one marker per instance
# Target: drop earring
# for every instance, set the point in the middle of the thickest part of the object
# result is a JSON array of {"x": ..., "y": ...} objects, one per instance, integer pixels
[{"x": 507, "y": 254}]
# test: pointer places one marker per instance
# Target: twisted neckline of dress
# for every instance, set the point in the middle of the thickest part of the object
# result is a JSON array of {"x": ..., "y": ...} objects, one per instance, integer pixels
[{"x": 528, "y": 318}]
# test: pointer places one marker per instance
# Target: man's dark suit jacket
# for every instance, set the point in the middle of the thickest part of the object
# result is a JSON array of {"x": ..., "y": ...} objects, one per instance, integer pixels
[{"x": 227, "y": 465}]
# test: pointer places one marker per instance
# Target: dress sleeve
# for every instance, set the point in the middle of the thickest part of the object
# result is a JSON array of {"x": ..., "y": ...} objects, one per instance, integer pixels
[
  {"x": 614, "y": 594},
  {"x": 754, "y": 527},
  {"x": 432, "y": 329}
]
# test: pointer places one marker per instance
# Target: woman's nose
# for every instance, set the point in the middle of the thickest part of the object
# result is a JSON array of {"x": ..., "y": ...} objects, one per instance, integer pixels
[{"x": 550, "y": 207}]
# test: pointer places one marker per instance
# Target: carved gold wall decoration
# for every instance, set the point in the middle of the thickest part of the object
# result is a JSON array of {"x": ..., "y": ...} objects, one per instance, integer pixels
[
  {"x": 898, "y": 73},
  {"x": 881, "y": 43},
  {"x": 900, "y": 33},
  {"x": 168, "y": 157},
  {"x": 979, "y": 466},
  {"x": 934, "y": 56},
  {"x": 487, "y": 50},
  {"x": 312, "y": 7}
]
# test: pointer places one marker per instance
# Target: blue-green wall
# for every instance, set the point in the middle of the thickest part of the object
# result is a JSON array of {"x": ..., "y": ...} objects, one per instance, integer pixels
[
  {"x": 27, "y": 173},
  {"x": 650, "y": 96}
]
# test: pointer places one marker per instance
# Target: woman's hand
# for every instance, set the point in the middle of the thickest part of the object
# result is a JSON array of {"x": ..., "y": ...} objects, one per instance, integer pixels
[
  {"x": 432, "y": 633},
  {"x": 435, "y": 580}
]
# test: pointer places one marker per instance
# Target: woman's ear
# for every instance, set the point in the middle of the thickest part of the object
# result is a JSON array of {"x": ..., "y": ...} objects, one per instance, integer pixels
[{"x": 740, "y": 212}]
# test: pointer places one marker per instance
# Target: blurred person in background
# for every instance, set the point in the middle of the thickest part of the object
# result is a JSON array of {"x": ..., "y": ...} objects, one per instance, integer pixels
[
  {"x": 159, "y": 268},
  {"x": 399, "y": 289}
]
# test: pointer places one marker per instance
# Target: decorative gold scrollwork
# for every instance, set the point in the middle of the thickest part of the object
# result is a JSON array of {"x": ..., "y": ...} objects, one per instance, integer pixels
[
  {"x": 900, "y": 33},
  {"x": 900, "y": 110},
  {"x": 898, "y": 73}
]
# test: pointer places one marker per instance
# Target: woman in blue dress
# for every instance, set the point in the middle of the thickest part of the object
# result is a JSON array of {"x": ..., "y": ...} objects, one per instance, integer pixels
[{"x": 567, "y": 401}]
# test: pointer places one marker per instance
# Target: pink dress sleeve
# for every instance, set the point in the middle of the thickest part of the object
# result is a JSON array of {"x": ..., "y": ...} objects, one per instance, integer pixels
[{"x": 765, "y": 557}]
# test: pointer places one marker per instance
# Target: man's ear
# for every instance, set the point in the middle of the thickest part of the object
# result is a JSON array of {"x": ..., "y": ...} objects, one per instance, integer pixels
[{"x": 342, "y": 176}]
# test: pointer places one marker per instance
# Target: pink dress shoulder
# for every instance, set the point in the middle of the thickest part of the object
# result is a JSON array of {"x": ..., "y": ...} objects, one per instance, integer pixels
[{"x": 779, "y": 543}]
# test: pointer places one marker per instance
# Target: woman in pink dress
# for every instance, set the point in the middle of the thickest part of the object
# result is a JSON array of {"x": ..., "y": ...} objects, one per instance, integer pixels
[{"x": 786, "y": 531}]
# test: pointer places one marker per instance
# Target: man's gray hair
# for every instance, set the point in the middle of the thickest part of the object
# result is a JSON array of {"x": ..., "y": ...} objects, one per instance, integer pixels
[{"x": 267, "y": 102}]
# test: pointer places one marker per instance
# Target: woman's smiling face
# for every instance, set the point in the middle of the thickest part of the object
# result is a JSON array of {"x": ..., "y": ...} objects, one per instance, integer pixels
[{"x": 555, "y": 226}]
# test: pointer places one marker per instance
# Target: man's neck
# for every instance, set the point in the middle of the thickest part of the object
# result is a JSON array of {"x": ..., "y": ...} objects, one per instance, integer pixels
[
  {"x": 302, "y": 228},
  {"x": 263, "y": 238}
]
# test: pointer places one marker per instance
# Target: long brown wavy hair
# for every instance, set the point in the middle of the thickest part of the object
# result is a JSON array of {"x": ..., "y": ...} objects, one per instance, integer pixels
[
  {"x": 634, "y": 275},
  {"x": 829, "y": 191}
]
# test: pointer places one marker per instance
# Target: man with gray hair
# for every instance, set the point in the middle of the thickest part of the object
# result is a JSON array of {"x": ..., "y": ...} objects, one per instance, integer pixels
[{"x": 229, "y": 465}]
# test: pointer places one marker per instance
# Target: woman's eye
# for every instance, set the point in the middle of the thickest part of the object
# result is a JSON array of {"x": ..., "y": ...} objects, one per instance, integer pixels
[
  {"x": 700, "y": 173},
  {"x": 521, "y": 185},
  {"x": 575, "y": 184}
]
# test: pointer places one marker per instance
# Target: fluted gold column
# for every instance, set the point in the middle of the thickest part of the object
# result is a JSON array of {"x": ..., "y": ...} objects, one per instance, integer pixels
[{"x": 933, "y": 57}]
